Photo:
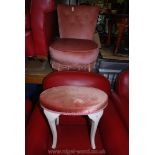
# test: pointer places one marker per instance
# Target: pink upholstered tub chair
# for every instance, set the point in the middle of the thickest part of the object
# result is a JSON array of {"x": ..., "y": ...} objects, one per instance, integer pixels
[{"x": 75, "y": 50}]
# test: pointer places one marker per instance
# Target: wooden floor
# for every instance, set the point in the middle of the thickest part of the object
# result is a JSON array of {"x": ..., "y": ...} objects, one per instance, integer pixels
[
  {"x": 36, "y": 70},
  {"x": 107, "y": 53}
]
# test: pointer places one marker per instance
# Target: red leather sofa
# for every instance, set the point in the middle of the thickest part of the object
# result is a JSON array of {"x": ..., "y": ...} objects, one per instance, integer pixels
[
  {"x": 73, "y": 131},
  {"x": 120, "y": 97},
  {"x": 28, "y": 110},
  {"x": 40, "y": 27}
]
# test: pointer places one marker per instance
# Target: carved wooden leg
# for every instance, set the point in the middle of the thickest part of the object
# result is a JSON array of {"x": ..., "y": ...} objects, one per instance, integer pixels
[
  {"x": 95, "y": 117},
  {"x": 52, "y": 119}
]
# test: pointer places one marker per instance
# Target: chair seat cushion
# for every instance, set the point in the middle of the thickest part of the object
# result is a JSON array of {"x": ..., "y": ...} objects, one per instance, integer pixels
[
  {"x": 73, "y": 100},
  {"x": 74, "y": 51}
]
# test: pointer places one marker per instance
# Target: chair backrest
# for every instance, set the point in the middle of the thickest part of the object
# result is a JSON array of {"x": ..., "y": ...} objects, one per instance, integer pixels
[
  {"x": 77, "y": 21},
  {"x": 43, "y": 22},
  {"x": 76, "y": 78}
]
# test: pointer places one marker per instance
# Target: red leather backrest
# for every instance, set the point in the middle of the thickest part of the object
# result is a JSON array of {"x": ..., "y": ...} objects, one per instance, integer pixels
[
  {"x": 76, "y": 78},
  {"x": 40, "y": 12},
  {"x": 122, "y": 84},
  {"x": 77, "y": 21}
]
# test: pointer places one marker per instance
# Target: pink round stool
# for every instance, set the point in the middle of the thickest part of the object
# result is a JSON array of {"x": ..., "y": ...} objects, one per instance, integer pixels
[{"x": 73, "y": 100}]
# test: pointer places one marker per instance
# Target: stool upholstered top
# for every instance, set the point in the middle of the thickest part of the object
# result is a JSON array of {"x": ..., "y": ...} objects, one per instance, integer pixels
[{"x": 73, "y": 100}]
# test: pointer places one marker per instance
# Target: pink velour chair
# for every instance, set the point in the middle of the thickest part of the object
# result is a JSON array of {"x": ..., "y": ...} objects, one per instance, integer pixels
[{"x": 75, "y": 50}]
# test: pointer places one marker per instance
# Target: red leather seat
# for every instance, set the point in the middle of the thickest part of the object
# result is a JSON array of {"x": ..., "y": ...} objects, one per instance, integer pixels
[{"x": 75, "y": 49}]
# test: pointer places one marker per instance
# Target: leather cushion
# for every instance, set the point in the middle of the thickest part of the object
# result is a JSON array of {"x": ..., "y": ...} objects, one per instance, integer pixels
[
  {"x": 73, "y": 100},
  {"x": 122, "y": 106},
  {"x": 122, "y": 84},
  {"x": 76, "y": 78},
  {"x": 74, "y": 51}
]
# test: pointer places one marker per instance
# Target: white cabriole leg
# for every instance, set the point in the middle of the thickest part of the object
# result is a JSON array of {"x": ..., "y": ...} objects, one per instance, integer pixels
[
  {"x": 52, "y": 119},
  {"x": 57, "y": 121},
  {"x": 95, "y": 117}
]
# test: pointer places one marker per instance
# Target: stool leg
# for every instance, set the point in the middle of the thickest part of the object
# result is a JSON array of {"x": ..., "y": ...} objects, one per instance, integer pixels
[
  {"x": 57, "y": 121},
  {"x": 52, "y": 118},
  {"x": 95, "y": 117}
]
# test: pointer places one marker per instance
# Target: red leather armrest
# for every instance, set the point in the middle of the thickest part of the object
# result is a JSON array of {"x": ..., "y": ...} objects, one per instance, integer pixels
[
  {"x": 122, "y": 106},
  {"x": 37, "y": 133},
  {"x": 114, "y": 134},
  {"x": 122, "y": 84},
  {"x": 28, "y": 110},
  {"x": 120, "y": 96}
]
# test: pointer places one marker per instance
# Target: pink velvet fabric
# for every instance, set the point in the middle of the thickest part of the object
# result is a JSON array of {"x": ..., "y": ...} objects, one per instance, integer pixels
[
  {"x": 74, "y": 45},
  {"x": 73, "y": 100},
  {"x": 74, "y": 51},
  {"x": 77, "y": 21},
  {"x": 71, "y": 67},
  {"x": 75, "y": 48}
]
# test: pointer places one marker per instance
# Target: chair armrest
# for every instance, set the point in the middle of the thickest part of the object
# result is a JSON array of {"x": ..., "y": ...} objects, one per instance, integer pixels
[
  {"x": 113, "y": 133},
  {"x": 28, "y": 110},
  {"x": 122, "y": 84},
  {"x": 122, "y": 106},
  {"x": 37, "y": 134}
]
